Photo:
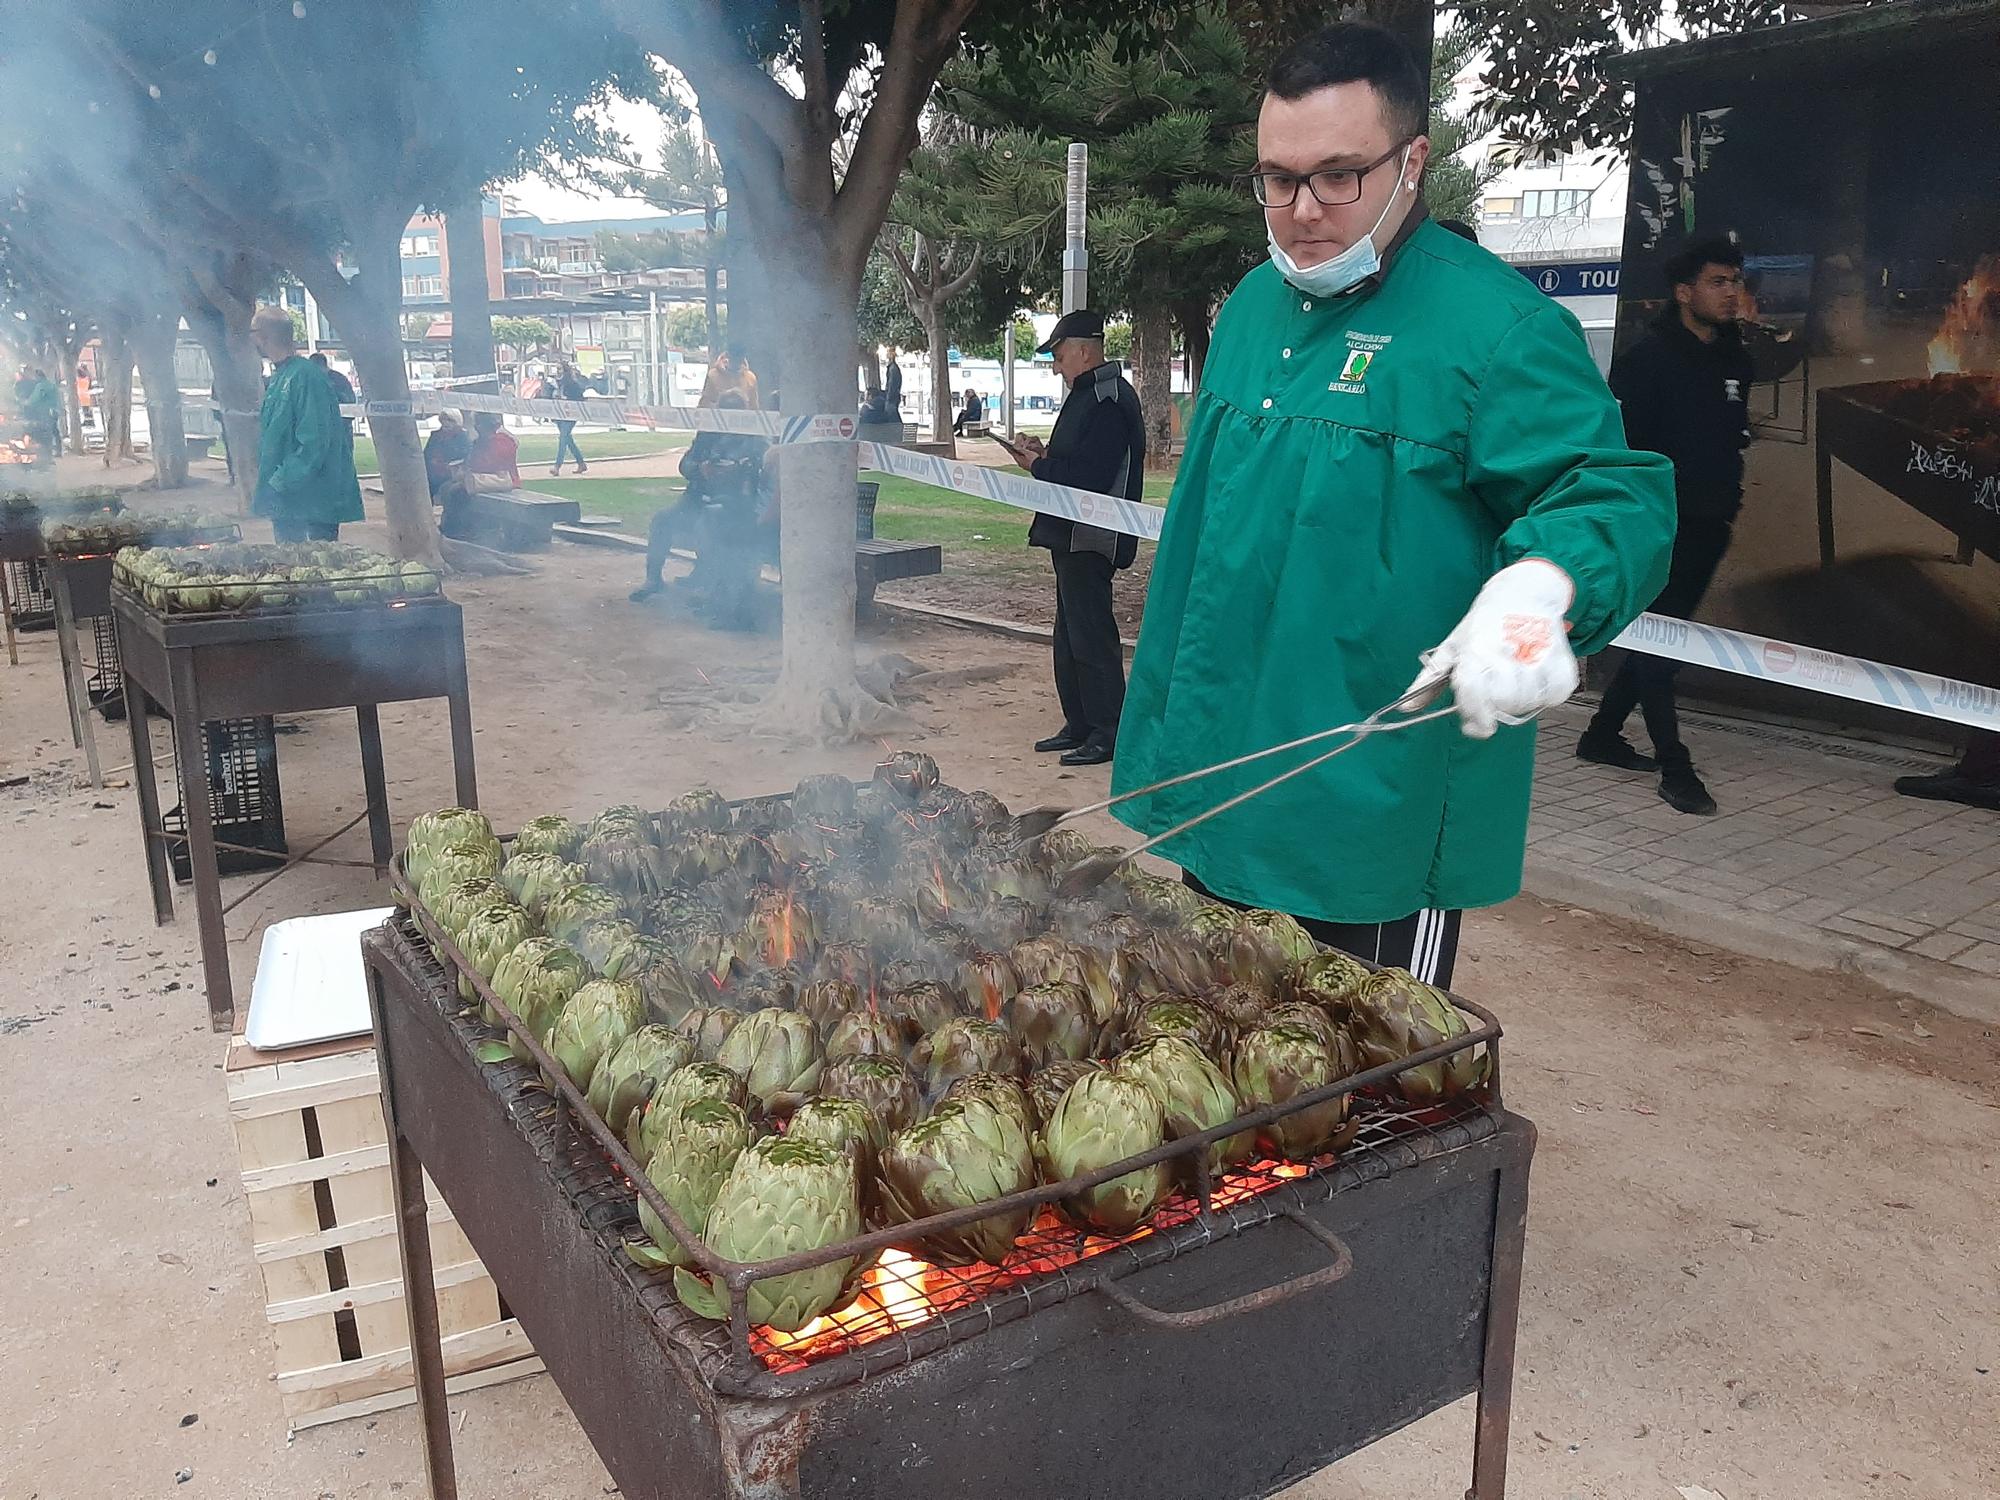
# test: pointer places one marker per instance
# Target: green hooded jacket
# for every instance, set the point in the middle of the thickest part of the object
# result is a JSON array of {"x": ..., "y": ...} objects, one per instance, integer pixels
[
  {"x": 1356, "y": 468},
  {"x": 305, "y": 449}
]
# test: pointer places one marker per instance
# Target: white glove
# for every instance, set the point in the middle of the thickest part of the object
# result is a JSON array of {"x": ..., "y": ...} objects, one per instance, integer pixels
[{"x": 1509, "y": 658}]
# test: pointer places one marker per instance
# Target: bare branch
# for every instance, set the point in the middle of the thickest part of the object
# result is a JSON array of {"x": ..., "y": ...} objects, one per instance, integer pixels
[{"x": 964, "y": 278}]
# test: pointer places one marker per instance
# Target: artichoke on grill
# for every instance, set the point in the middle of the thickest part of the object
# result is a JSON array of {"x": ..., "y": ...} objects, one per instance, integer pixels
[
  {"x": 989, "y": 979},
  {"x": 1005, "y": 921},
  {"x": 490, "y": 934},
  {"x": 434, "y": 832},
  {"x": 698, "y": 809},
  {"x": 1194, "y": 1095},
  {"x": 549, "y": 834},
  {"x": 597, "y": 1020},
  {"x": 670, "y": 992},
  {"x": 1046, "y": 1087},
  {"x": 708, "y": 1028},
  {"x": 1159, "y": 899},
  {"x": 532, "y": 879},
  {"x": 908, "y": 773},
  {"x": 1397, "y": 1014},
  {"x": 1195, "y": 1024},
  {"x": 1265, "y": 948},
  {"x": 849, "y": 963},
  {"x": 1315, "y": 1020},
  {"x": 865, "y": 1034},
  {"x": 829, "y": 799},
  {"x": 1332, "y": 980},
  {"x": 535, "y": 981},
  {"x": 453, "y": 864},
  {"x": 569, "y": 910},
  {"x": 780, "y": 930},
  {"x": 964, "y": 1046},
  {"x": 1104, "y": 1118},
  {"x": 653, "y": 1121},
  {"x": 1003, "y": 1091},
  {"x": 459, "y": 903},
  {"x": 778, "y": 1054},
  {"x": 966, "y": 1153},
  {"x": 700, "y": 944},
  {"x": 605, "y": 943},
  {"x": 918, "y": 1009},
  {"x": 624, "y": 818},
  {"x": 627, "y": 861},
  {"x": 844, "y": 1124},
  {"x": 1053, "y": 1022},
  {"x": 826, "y": 1002},
  {"x": 765, "y": 989},
  {"x": 1275, "y": 1064},
  {"x": 881, "y": 1083},
  {"x": 699, "y": 1145},
  {"x": 1237, "y": 1006},
  {"x": 781, "y": 1197},
  {"x": 758, "y": 816},
  {"x": 626, "y": 1077}
]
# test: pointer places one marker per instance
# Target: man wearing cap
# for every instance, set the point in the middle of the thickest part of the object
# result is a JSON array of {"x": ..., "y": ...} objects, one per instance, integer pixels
[
  {"x": 1099, "y": 443},
  {"x": 1402, "y": 464}
]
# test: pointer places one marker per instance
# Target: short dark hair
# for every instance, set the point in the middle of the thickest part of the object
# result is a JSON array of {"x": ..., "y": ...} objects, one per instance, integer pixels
[
  {"x": 1686, "y": 267},
  {"x": 1356, "y": 52}
]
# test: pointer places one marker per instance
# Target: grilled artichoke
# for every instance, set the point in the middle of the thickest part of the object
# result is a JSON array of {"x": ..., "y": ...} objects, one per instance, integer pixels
[
  {"x": 535, "y": 981},
  {"x": 1265, "y": 948},
  {"x": 570, "y": 909},
  {"x": 699, "y": 942},
  {"x": 549, "y": 834},
  {"x": 456, "y": 863},
  {"x": 699, "y": 1144},
  {"x": 849, "y": 963},
  {"x": 1237, "y": 1006},
  {"x": 1046, "y": 1087},
  {"x": 700, "y": 808},
  {"x": 865, "y": 1034},
  {"x": 1331, "y": 980},
  {"x": 708, "y": 1028},
  {"x": 1006, "y": 920},
  {"x": 881, "y": 1083},
  {"x": 433, "y": 833},
  {"x": 964, "y": 1046},
  {"x": 778, "y": 1054},
  {"x": 966, "y": 1153},
  {"x": 596, "y": 1021},
  {"x": 625, "y": 818},
  {"x": 1053, "y": 1022},
  {"x": 844, "y": 1124},
  {"x": 1195, "y": 1024},
  {"x": 919, "y": 1009},
  {"x": 532, "y": 879},
  {"x": 1275, "y": 1064},
  {"x": 670, "y": 992},
  {"x": 652, "y": 1122},
  {"x": 1194, "y": 1095},
  {"x": 1315, "y": 1020},
  {"x": 626, "y": 1077},
  {"x": 780, "y": 930},
  {"x": 1104, "y": 1118},
  {"x": 626, "y": 861},
  {"x": 782, "y": 1197},
  {"x": 1003, "y": 1091},
  {"x": 827, "y": 1002},
  {"x": 1397, "y": 1014},
  {"x": 605, "y": 943},
  {"x": 908, "y": 773},
  {"x": 989, "y": 979},
  {"x": 456, "y": 906},
  {"x": 827, "y": 799},
  {"x": 490, "y": 934}
]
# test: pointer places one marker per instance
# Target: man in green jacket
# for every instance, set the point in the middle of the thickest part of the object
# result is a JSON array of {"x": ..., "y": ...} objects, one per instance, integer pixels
[
  {"x": 305, "y": 449},
  {"x": 1402, "y": 460}
]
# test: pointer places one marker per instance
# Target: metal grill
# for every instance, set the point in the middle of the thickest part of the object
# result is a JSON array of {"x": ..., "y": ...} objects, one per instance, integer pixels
[{"x": 886, "y": 1329}]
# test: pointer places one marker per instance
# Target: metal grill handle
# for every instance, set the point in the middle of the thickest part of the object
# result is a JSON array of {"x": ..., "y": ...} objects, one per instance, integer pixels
[{"x": 1202, "y": 1317}]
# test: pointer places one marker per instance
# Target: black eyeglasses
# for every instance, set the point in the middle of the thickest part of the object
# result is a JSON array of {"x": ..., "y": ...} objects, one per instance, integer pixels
[{"x": 1334, "y": 187}]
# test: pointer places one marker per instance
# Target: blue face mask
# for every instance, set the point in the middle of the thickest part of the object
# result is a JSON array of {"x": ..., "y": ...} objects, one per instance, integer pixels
[{"x": 1351, "y": 266}]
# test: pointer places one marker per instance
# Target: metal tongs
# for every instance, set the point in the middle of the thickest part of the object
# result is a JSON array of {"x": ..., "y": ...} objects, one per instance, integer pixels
[{"x": 1087, "y": 874}]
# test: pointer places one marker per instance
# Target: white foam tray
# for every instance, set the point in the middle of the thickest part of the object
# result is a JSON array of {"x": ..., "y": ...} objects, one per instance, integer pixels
[{"x": 310, "y": 985}]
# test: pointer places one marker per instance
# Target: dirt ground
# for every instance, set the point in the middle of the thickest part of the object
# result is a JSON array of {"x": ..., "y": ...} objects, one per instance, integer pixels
[{"x": 1762, "y": 1235}]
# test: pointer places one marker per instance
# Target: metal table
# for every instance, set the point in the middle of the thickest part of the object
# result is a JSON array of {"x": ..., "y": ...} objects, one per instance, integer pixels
[
  {"x": 1161, "y": 1368},
  {"x": 201, "y": 668},
  {"x": 82, "y": 589}
]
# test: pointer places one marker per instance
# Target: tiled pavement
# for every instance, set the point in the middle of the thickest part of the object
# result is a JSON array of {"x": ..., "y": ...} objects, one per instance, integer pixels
[{"x": 1812, "y": 858}]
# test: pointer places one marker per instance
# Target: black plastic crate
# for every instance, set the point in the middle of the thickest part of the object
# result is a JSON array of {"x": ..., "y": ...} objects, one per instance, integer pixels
[
  {"x": 34, "y": 600},
  {"x": 106, "y": 683},
  {"x": 243, "y": 799}
]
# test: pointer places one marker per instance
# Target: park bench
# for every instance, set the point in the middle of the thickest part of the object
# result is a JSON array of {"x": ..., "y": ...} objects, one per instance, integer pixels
[
  {"x": 878, "y": 561},
  {"x": 517, "y": 520},
  {"x": 981, "y": 428}
]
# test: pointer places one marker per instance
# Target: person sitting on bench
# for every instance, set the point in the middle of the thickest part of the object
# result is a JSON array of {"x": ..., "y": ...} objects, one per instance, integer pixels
[
  {"x": 451, "y": 444},
  {"x": 490, "y": 468},
  {"x": 973, "y": 413},
  {"x": 723, "y": 501}
]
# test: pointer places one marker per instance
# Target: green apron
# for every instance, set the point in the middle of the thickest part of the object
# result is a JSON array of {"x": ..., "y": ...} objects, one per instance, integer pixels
[
  {"x": 1356, "y": 468},
  {"x": 305, "y": 449}
]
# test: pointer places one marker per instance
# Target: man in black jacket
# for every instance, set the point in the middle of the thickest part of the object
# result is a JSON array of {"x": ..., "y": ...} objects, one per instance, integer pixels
[
  {"x": 1685, "y": 390},
  {"x": 1099, "y": 444}
]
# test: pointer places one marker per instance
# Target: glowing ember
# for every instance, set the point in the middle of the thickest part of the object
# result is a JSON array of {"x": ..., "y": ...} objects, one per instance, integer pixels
[{"x": 1969, "y": 337}]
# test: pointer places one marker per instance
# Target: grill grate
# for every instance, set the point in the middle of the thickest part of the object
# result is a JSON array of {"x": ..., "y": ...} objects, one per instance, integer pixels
[{"x": 1052, "y": 1263}]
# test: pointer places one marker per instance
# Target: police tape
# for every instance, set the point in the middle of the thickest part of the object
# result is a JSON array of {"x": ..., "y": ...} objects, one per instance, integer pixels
[{"x": 1740, "y": 653}]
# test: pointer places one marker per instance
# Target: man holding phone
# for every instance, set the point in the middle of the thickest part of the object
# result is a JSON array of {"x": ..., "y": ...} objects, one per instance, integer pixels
[{"x": 1099, "y": 444}]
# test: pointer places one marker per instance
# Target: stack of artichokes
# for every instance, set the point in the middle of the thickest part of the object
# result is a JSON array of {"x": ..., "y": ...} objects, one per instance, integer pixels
[
  {"x": 289, "y": 575},
  {"x": 862, "y": 1007}
]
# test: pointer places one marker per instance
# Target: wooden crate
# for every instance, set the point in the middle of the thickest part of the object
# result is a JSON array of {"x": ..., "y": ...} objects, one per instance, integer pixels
[{"x": 315, "y": 1159}]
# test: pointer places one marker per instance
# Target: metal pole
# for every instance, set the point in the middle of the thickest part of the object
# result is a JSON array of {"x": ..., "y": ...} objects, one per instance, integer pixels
[
  {"x": 1076, "y": 258},
  {"x": 653, "y": 348},
  {"x": 1007, "y": 380}
]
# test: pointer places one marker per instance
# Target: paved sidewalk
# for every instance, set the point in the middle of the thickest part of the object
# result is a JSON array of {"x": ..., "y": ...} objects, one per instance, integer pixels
[{"x": 1812, "y": 859}]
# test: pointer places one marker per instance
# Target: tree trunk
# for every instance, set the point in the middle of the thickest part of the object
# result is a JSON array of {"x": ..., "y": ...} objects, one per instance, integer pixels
[
  {"x": 238, "y": 374},
  {"x": 367, "y": 311},
  {"x": 117, "y": 391},
  {"x": 1152, "y": 370},
  {"x": 1192, "y": 316},
  {"x": 72, "y": 408},
  {"x": 153, "y": 338},
  {"x": 752, "y": 318},
  {"x": 709, "y": 277},
  {"x": 471, "y": 311},
  {"x": 870, "y": 363},
  {"x": 932, "y": 317}
]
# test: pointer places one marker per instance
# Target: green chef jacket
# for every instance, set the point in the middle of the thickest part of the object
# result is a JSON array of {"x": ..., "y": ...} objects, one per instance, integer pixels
[
  {"x": 305, "y": 449},
  {"x": 1356, "y": 468}
]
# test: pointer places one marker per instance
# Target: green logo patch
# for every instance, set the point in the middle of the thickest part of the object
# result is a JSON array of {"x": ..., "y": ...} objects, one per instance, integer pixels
[{"x": 1356, "y": 366}]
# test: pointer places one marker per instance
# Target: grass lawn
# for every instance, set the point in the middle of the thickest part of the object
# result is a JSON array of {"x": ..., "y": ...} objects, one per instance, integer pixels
[
  {"x": 906, "y": 511},
  {"x": 539, "y": 447}
]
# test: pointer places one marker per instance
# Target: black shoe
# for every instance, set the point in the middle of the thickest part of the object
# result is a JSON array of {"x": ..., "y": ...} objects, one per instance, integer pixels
[
  {"x": 1950, "y": 786},
  {"x": 1092, "y": 752},
  {"x": 1613, "y": 750},
  {"x": 1063, "y": 739},
  {"x": 1682, "y": 790},
  {"x": 647, "y": 591}
]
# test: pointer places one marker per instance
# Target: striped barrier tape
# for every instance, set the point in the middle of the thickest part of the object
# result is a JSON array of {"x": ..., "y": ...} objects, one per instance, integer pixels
[{"x": 1738, "y": 652}]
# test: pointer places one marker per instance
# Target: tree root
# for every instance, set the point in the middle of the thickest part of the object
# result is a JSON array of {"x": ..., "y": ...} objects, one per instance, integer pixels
[{"x": 470, "y": 557}]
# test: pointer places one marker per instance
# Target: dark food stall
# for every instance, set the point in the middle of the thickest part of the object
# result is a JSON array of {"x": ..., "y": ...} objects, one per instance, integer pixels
[
  {"x": 1262, "y": 1326},
  {"x": 200, "y": 669},
  {"x": 1934, "y": 444}
]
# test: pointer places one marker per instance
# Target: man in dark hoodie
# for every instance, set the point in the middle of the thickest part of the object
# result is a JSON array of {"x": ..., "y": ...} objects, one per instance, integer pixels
[{"x": 1684, "y": 389}]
